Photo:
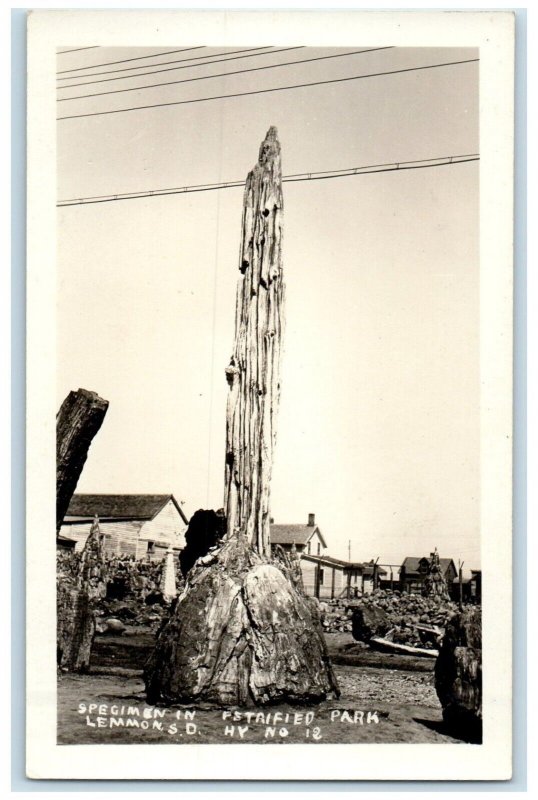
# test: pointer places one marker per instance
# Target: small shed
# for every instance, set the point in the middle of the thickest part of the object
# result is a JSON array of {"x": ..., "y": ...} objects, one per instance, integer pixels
[{"x": 329, "y": 578}]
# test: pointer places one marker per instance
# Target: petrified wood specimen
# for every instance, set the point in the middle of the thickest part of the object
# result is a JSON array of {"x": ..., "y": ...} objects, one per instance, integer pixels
[
  {"x": 243, "y": 631},
  {"x": 81, "y": 583},
  {"x": 458, "y": 675},
  {"x": 254, "y": 371},
  {"x": 78, "y": 420}
]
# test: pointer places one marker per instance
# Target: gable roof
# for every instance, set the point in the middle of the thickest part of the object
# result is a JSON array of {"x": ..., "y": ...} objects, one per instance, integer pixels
[
  {"x": 411, "y": 564},
  {"x": 120, "y": 506},
  {"x": 294, "y": 534}
]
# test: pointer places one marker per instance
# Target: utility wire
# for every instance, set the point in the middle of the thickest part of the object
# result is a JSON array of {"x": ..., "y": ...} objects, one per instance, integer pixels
[
  {"x": 125, "y": 60},
  {"x": 398, "y": 166},
  {"x": 170, "y": 69},
  {"x": 76, "y": 50},
  {"x": 265, "y": 91},
  {"x": 218, "y": 75}
]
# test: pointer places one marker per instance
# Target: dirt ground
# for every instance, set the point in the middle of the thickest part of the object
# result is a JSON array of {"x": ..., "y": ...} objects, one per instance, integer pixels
[{"x": 383, "y": 699}]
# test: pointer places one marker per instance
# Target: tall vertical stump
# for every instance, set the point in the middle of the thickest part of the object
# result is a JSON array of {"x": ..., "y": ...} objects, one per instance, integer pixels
[
  {"x": 81, "y": 584},
  {"x": 254, "y": 371},
  {"x": 243, "y": 632},
  {"x": 458, "y": 675}
]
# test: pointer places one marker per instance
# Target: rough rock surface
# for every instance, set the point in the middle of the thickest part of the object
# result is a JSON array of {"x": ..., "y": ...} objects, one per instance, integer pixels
[
  {"x": 368, "y": 621},
  {"x": 240, "y": 634},
  {"x": 458, "y": 674},
  {"x": 405, "y": 614}
]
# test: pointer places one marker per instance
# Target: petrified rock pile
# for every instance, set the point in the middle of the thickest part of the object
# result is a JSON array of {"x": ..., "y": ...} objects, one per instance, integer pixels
[{"x": 377, "y": 613}]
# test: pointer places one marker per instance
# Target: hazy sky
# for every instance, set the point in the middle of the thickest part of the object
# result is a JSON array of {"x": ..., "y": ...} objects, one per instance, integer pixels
[{"x": 379, "y": 425}]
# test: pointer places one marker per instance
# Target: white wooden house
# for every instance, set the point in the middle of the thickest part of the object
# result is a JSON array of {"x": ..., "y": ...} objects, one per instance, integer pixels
[
  {"x": 307, "y": 539},
  {"x": 139, "y": 525},
  {"x": 323, "y": 576}
]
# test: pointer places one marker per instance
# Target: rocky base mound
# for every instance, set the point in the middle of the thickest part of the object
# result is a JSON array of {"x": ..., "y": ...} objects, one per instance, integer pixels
[{"x": 240, "y": 634}]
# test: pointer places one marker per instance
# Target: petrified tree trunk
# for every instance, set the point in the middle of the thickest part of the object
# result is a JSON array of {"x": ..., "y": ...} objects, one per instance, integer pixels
[
  {"x": 241, "y": 634},
  {"x": 78, "y": 420},
  {"x": 254, "y": 370},
  {"x": 458, "y": 675},
  {"x": 243, "y": 631},
  {"x": 80, "y": 586}
]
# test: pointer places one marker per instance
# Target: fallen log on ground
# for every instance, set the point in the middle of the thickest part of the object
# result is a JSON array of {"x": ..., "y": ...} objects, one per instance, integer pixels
[{"x": 386, "y": 646}]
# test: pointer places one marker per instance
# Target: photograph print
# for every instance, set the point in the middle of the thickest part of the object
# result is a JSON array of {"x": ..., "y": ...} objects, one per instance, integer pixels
[{"x": 268, "y": 393}]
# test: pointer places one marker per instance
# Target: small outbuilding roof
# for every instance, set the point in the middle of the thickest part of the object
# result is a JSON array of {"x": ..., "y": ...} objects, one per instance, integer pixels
[
  {"x": 120, "y": 506},
  {"x": 363, "y": 568}
]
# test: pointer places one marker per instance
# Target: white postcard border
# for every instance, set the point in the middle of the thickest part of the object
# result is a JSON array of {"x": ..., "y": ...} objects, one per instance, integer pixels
[{"x": 493, "y": 33}]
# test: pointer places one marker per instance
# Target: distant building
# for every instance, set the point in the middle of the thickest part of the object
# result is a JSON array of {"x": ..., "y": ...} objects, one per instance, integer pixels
[
  {"x": 139, "y": 525},
  {"x": 415, "y": 570},
  {"x": 308, "y": 539},
  {"x": 330, "y": 578},
  {"x": 324, "y": 577}
]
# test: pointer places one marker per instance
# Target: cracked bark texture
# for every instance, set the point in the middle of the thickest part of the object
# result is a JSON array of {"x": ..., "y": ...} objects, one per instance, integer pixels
[
  {"x": 77, "y": 596},
  {"x": 78, "y": 420},
  {"x": 254, "y": 371},
  {"x": 458, "y": 674},
  {"x": 243, "y": 632}
]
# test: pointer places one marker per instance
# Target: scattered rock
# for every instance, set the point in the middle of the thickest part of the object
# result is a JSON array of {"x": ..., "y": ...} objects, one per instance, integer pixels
[
  {"x": 113, "y": 625},
  {"x": 369, "y": 621}
]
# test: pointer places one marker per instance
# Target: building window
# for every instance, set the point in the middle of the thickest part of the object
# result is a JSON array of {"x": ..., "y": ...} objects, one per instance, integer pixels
[
  {"x": 319, "y": 548},
  {"x": 151, "y": 547},
  {"x": 320, "y": 577},
  {"x": 308, "y": 548}
]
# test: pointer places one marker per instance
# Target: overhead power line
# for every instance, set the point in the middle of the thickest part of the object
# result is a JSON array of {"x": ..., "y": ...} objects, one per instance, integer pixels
[
  {"x": 219, "y": 74},
  {"x": 135, "y": 58},
  {"x": 265, "y": 91},
  {"x": 172, "y": 69},
  {"x": 76, "y": 50},
  {"x": 397, "y": 166}
]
